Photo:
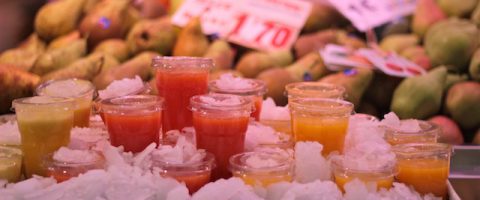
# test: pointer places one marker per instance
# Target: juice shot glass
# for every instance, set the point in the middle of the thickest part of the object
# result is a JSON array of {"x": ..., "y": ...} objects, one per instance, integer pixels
[
  {"x": 381, "y": 176},
  {"x": 65, "y": 167},
  {"x": 321, "y": 120},
  {"x": 44, "y": 123},
  {"x": 262, "y": 168},
  {"x": 133, "y": 122},
  {"x": 425, "y": 166},
  {"x": 194, "y": 174},
  {"x": 255, "y": 89},
  {"x": 178, "y": 79},
  {"x": 314, "y": 90},
  {"x": 428, "y": 133},
  {"x": 220, "y": 122},
  {"x": 80, "y": 90},
  {"x": 10, "y": 164}
]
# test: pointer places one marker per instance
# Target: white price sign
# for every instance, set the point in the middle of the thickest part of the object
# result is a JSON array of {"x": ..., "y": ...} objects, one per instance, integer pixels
[
  {"x": 367, "y": 14},
  {"x": 260, "y": 24}
]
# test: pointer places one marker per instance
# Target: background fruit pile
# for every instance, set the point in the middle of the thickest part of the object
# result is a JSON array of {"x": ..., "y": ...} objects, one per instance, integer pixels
[{"x": 107, "y": 40}]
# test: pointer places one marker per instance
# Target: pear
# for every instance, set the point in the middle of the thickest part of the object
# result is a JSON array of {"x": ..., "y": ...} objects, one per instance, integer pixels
[
  {"x": 106, "y": 20},
  {"x": 450, "y": 132},
  {"x": 474, "y": 68},
  {"x": 452, "y": 43},
  {"x": 90, "y": 5},
  {"x": 151, "y": 9},
  {"x": 252, "y": 63},
  {"x": 64, "y": 40},
  {"x": 24, "y": 56},
  {"x": 174, "y": 5},
  {"x": 309, "y": 67},
  {"x": 476, "y": 137},
  {"x": 399, "y": 42},
  {"x": 86, "y": 68},
  {"x": 191, "y": 40},
  {"x": 214, "y": 75},
  {"x": 314, "y": 41},
  {"x": 453, "y": 78},
  {"x": 355, "y": 81},
  {"x": 420, "y": 97},
  {"x": 418, "y": 55},
  {"x": 156, "y": 35},
  {"x": 426, "y": 14},
  {"x": 139, "y": 65},
  {"x": 33, "y": 44},
  {"x": 59, "y": 58},
  {"x": 58, "y": 18},
  {"x": 475, "y": 17},
  {"x": 114, "y": 47},
  {"x": 15, "y": 83},
  {"x": 462, "y": 103},
  {"x": 222, "y": 54},
  {"x": 322, "y": 16},
  {"x": 400, "y": 26},
  {"x": 457, "y": 8}
]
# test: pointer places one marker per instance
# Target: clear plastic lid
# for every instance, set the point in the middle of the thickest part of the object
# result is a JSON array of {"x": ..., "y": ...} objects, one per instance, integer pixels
[
  {"x": 182, "y": 63},
  {"x": 239, "y": 86},
  {"x": 261, "y": 162},
  {"x": 71, "y": 88},
  {"x": 221, "y": 102},
  {"x": 323, "y": 106},
  {"x": 132, "y": 104},
  {"x": 315, "y": 89}
]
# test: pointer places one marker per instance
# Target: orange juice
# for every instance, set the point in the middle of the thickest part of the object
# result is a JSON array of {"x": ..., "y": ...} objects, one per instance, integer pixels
[
  {"x": 82, "y": 113},
  {"x": 428, "y": 133},
  {"x": 10, "y": 164},
  {"x": 321, "y": 120},
  {"x": 263, "y": 179},
  {"x": 283, "y": 126},
  {"x": 381, "y": 182},
  {"x": 62, "y": 170},
  {"x": 425, "y": 166}
]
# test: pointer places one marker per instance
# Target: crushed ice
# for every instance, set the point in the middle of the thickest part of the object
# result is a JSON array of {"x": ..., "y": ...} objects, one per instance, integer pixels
[
  {"x": 228, "y": 81},
  {"x": 270, "y": 111},
  {"x": 121, "y": 87}
]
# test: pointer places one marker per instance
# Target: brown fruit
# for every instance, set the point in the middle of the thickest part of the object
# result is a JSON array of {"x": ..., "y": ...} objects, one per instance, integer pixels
[
  {"x": 191, "y": 41},
  {"x": 15, "y": 83},
  {"x": 450, "y": 132}
]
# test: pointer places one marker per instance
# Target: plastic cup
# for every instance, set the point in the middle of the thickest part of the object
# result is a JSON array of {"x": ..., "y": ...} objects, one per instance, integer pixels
[
  {"x": 195, "y": 175},
  {"x": 428, "y": 133},
  {"x": 382, "y": 177},
  {"x": 256, "y": 92},
  {"x": 63, "y": 171},
  {"x": 314, "y": 90},
  {"x": 220, "y": 122},
  {"x": 81, "y": 90},
  {"x": 425, "y": 166},
  {"x": 279, "y": 168},
  {"x": 178, "y": 79},
  {"x": 45, "y": 124},
  {"x": 10, "y": 164},
  {"x": 133, "y": 122},
  {"x": 283, "y": 126},
  {"x": 321, "y": 120}
]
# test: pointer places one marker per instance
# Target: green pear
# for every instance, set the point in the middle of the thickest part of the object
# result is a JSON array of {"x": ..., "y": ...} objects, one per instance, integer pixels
[
  {"x": 24, "y": 56},
  {"x": 418, "y": 55},
  {"x": 474, "y": 68},
  {"x": 15, "y": 83},
  {"x": 452, "y": 43},
  {"x": 139, "y": 65},
  {"x": 252, "y": 63},
  {"x": 355, "y": 82},
  {"x": 322, "y": 16},
  {"x": 426, "y": 14},
  {"x": 314, "y": 41},
  {"x": 58, "y": 18},
  {"x": 191, "y": 40},
  {"x": 114, "y": 47},
  {"x": 399, "y": 42},
  {"x": 453, "y": 79},
  {"x": 64, "y": 40},
  {"x": 462, "y": 103},
  {"x": 457, "y": 8},
  {"x": 156, "y": 35},
  {"x": 222, "y": 54},
  {"x": 420, "y": 97},
  {"x": 59, "y": 58}
]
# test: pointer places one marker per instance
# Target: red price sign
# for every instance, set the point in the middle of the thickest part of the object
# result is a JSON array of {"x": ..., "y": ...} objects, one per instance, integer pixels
[{"x": 261, "y": 24}]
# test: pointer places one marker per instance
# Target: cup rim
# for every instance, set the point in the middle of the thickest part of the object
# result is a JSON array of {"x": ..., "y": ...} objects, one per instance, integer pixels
[
  {"x": 171, "y": 62},
  {"x": 58, "y": 101},
  {"x": 48, "y": 161},
  {"x": 337, "y": 164},
  {"x": 429, "y": 129},
  {"x": 237, "y": 162},
  {"x": 145, "y": 88},
  {"x": 114, "y": 105},
  {"x": 197, "y": 104},
  {"x": 421, "y": 149},
  {"x": 207, "y": 163},
  {"x": 336, "y": 104},
  {"x": 258, "y": 88},
  {"x": 40, "y": 89},
  {"x": 293, "y": 89}
]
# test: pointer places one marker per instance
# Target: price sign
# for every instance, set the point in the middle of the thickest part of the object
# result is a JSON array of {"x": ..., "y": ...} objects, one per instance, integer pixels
[
  {"x": 260, "y": 24},
  {"x": 367, "y": 14}
]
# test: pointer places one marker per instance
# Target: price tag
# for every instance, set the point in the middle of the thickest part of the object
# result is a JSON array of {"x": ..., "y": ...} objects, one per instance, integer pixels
[
  {"x": 260, "y": 24},
  {"x": 367, "y": 14}
]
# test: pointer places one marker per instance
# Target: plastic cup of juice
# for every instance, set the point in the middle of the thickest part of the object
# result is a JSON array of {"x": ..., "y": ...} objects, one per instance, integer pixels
[
  {"x": 194, "y": 174},
  {"x": 425, "y": 166},
  {"x": 314, "y": 90},
  {"x": 321, "y": 120},
  {"x": 381, "y": 176},
  {"x": 220, "y": 122},
  {"x": 283, "y": 126},
  {"x": 252, "y": 88},
  {"x": 10, "y": 164},
  {"x": 44, "y": 123},
  {"x": 262, "y": 168},
  {"x": 178, "y": 79},
  {"x": 81, "y": 90},
  {"x": 64, "y": 167},
  {"x": 133, "y": 122},
  {"x": 428, "y": 133}
]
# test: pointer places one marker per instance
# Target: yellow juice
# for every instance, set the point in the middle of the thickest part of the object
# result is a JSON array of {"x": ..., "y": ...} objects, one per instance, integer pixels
[
  {"x": 282, "y": 126},
  {"x": 42, "y": 135},
  {"x": 328, "y": 131},
  {"x": 82, "y": 113},
  {"x": 380, "y": 180},
  {"x": 263, "y": 179},
  {"x": 425, "y": 175},
  {"x": 10, "y": 164}
]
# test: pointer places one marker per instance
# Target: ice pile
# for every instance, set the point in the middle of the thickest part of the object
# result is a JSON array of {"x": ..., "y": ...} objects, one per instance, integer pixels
[
  {"x": 229, "y": 82},
  {"x": 316, "y": 190},
  {"x": 183, "y": 152},
  {"x": 228, "y": 101},
  {"x": 172, "y": 136},
  {"x": 391, "y": 120},
  {"x": 67, "y": 88},
  {"x": 356, "y": 189},
  {"x": 256, "y": 161},
  {"x": 310, "y": 165},
  {"x": 86, "y": 138},
  {"x": 122, "y": 87},
  {"x": 75, "y": 156},
  {"x": 231, "y": 189},
  {"x": 259, "y": 134},
  {"x": 365, "y": 147},
  {"x": 270, "y": 111},
  {"x": 9, "y": 133}
]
